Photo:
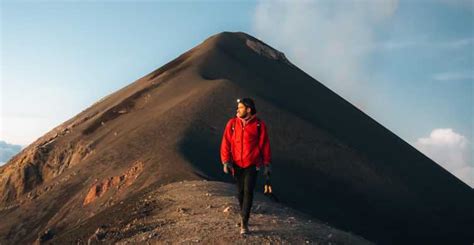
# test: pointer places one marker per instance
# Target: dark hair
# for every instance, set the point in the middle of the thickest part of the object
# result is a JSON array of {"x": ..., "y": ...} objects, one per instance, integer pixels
[{"x": 248, "y": 102}]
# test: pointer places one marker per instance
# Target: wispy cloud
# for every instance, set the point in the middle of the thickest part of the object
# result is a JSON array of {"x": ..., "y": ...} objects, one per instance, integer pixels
[
  {"x": 450, "y": 150},
  {"x": 329, "y": 40},
  {"x": 454, "y": 76},
  {"x": 458, "y": 43},
  {"x": 393, "y": 45},
  {"x": 424, "y": 42}
]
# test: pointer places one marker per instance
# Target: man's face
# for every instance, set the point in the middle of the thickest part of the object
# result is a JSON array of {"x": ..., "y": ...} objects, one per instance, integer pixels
[{"x": 242, "y": 111}]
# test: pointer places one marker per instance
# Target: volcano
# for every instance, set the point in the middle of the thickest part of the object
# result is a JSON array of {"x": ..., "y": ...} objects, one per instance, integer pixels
[{"x": 331, "y": 162}]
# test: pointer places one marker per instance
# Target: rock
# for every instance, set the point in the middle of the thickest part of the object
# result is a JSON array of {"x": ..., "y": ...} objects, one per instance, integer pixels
[
  {"x": 98, "y": 236},
  {"x": 46, "y": 235},
  {"x": 100, "y": 233},
  {"x": 99, "y": 188},
  {"x": 182, "y": 210},
  {"x": 153, "y": 234}
]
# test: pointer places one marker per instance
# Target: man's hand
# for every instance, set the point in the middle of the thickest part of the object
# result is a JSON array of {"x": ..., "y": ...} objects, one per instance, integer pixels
[
  {"x": 267, "y": 170},
  {"x": 227, "y": 167}
]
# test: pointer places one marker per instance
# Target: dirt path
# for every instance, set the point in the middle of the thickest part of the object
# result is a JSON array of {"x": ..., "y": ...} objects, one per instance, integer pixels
[{"x": 202, "y": 212}]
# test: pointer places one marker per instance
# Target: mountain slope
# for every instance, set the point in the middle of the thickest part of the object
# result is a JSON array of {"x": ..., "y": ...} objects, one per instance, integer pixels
[{"x": 330, "y": 160}]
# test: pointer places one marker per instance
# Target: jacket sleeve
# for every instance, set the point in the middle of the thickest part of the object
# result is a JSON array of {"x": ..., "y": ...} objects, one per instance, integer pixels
[
  {"x": 226, "y": 152},
  {"x": 265, "y": 144}
]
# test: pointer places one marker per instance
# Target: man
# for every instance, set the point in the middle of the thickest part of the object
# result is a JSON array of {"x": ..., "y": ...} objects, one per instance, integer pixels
[{"x": 245, "y": 148}]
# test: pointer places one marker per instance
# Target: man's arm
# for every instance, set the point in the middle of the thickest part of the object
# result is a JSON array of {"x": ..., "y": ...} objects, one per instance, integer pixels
[
  {"x": 264, "y": 143},
  {"x": 226, "y": 153}
]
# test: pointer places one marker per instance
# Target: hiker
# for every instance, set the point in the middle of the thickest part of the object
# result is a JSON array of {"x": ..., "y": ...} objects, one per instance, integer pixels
[{"x": 245, "y": 149}]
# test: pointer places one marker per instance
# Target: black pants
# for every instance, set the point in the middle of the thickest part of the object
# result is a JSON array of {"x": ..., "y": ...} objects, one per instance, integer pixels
[{"x": 246, "y": 179}]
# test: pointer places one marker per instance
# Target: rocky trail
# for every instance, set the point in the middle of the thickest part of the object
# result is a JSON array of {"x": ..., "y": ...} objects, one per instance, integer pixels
[{"x": 205, "y": 212}]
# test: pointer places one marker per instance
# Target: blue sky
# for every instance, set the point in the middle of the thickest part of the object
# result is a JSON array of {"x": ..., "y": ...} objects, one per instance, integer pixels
[{"x": 407, "y": 64}]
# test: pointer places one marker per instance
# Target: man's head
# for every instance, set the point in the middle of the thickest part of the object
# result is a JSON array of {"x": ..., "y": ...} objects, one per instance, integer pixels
[{"x": 245, "y": 107}]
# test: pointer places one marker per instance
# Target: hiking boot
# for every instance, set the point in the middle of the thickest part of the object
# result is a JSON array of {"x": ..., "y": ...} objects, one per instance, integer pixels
[
  {"x": 244, "y": 230},
  {"x": 243, "y": 227}
]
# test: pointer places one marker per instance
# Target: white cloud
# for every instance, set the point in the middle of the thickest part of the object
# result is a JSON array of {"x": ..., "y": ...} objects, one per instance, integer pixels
[
  {"x": 451, "y": 151},
  {"x": 329, "y": 40}
]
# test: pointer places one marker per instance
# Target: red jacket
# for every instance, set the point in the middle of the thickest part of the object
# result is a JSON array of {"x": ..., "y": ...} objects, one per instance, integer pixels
[{"x": 243, "y": 147}]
